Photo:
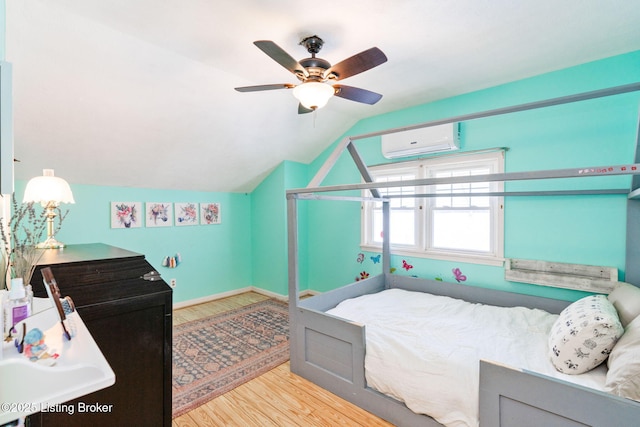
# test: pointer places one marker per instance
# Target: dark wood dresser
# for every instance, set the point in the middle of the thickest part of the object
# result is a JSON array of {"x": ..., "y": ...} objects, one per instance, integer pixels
[{"x": 129, "y": 317}]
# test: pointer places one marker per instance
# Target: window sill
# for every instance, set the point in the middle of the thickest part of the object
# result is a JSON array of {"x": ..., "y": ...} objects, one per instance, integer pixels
[{"x": 443, "y": 256}]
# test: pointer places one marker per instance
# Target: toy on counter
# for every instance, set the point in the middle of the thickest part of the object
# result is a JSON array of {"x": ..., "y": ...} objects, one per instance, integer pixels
[{"x": 36, "y": 350}]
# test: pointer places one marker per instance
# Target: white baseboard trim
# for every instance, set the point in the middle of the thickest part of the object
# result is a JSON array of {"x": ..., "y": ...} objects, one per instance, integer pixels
[
  {"x": 221, "y": 295},
  {"x": 202, "y": 300}
]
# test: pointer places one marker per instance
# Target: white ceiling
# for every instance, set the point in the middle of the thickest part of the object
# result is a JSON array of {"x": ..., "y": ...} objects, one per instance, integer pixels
[{"x": 140, "y": 93}]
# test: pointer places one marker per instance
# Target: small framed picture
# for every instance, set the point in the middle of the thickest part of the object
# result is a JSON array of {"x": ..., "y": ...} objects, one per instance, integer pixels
[
  {"x": 210, "y": 213},
  {"x": 159, "y": 214},
  {"x": 186, "y": 214},
  {"x": 126, "y": 214}
]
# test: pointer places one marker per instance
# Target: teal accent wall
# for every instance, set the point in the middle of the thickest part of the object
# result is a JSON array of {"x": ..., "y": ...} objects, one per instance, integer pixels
[
  {"x": 215, "y": 258},
  {"x": 584, "y": 230}
]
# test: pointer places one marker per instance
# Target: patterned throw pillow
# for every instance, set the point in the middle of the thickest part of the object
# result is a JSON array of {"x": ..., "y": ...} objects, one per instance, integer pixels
[{"x": 584, "y": 334}]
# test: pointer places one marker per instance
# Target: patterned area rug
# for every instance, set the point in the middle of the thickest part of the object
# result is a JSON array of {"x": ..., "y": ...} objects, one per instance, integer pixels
[{"x": 214, "y": 355}]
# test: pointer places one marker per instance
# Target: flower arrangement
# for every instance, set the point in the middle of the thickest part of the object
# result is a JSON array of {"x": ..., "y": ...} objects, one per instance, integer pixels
[{"x": 20, "y": 236}]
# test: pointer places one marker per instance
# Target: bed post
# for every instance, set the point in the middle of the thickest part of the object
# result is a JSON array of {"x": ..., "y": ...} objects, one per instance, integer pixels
[
  {"x": 386, "y": 244},
  {"x": 632, "y": 267},
  {"x": 294, "y": 281}
]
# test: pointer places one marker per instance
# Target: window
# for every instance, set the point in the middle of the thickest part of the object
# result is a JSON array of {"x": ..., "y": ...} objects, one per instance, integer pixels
[
  {"x": 405, "y": 210},
  {"x": 456, "y": 225}
]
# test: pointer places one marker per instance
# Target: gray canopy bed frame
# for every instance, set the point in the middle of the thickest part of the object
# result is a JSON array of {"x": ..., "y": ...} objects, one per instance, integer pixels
[{"x": 329, "y": 351}]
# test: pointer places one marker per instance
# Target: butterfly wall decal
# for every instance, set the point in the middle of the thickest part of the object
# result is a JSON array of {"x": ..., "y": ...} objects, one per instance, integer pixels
[
  {"x": 363, "y": 275},
  {"x": 458, "y": 275},
  {"x": 375, "y": 259},
  {"x": 406, "y": 265}
]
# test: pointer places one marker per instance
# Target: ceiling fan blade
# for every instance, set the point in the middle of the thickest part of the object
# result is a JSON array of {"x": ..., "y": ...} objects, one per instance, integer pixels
[
  {"x": 356, "y": 94},
  {"x": 356, "y": 64},
  {"x": 281, "y": 57},
  {"x": 303, "y": 110},
  {"x": 265, "y": 87}
]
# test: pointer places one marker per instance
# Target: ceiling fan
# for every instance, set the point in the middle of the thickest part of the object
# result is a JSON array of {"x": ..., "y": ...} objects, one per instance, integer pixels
[{"x": 317, "y": 75}]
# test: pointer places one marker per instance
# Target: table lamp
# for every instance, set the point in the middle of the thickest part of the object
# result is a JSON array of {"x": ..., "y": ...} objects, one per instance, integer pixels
[{"x": 49, "y": 191}]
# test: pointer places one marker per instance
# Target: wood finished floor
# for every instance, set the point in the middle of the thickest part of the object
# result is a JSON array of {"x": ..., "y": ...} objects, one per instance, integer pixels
[{"x": 277, "y": 398}]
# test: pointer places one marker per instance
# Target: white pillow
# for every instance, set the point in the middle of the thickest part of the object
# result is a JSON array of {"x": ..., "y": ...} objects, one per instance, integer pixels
[
  {"x": 626, "y": 299},
  {"x": 623, "y": 376},
  {"x": 584, "y": 334}
]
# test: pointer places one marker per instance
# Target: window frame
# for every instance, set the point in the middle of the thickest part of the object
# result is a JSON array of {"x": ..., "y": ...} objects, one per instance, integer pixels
[
  {"x": 367, "y": 239},
  {"x": 424, "y": 168}
]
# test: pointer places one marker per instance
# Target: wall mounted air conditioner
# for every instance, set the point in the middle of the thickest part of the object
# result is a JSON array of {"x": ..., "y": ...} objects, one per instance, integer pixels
[{"x": 421, "y": 141}]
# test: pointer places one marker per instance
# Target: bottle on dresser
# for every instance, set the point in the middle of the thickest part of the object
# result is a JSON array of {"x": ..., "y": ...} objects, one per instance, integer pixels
[{"x": 16, "y": 306}]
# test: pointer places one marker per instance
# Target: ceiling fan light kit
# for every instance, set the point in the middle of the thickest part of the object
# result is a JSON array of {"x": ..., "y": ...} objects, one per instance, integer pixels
[
  {"x": 313, "y": 95},
  {"x": 314, "y": 73}
]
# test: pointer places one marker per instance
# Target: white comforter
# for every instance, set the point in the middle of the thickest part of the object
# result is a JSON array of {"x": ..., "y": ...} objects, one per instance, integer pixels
[{"x": 424, "y": 350}]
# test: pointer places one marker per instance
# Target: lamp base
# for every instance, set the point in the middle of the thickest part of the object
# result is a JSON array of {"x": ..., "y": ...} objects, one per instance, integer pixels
[{"x": 50, "y": 243}]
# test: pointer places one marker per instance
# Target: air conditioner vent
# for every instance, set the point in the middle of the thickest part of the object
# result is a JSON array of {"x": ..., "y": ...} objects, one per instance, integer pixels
[{"x": 421, "y": 141}]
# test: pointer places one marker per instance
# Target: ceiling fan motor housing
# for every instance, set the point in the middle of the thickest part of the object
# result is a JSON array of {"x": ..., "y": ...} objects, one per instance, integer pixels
[
  {"x": 315, "y": 67},
  {"x": 313, "y": 44}
]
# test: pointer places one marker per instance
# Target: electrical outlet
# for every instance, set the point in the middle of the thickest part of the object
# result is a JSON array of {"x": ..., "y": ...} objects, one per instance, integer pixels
[{"x": 173, "y": 283}]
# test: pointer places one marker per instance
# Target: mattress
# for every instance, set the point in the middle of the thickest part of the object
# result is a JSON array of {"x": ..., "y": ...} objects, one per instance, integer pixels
[{"x": 424, "y": 349}]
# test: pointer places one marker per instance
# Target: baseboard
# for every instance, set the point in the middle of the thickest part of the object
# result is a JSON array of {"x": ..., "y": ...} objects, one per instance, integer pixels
[
  {"x": 309, "y": 293},
  {"x": 221, "y": 295},
  {"x": 202, "y": 300}
]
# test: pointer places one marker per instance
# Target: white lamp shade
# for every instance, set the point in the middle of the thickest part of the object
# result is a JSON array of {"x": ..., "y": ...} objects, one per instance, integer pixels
[
  {"x": 48, "y": 188},
  {"x": 313, "y": 95}
]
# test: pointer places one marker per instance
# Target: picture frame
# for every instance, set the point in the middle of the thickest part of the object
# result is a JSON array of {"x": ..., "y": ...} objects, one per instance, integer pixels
[
  {"x": 159, "y": 214},
  {"x": 126, "y": 214},
  {"x": 186, "y": 214},
  {"x": 210, "y": 213}
]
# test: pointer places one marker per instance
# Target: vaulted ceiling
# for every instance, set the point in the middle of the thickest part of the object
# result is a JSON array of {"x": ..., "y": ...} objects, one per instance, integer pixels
[{"x": 141, "y": 92}]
